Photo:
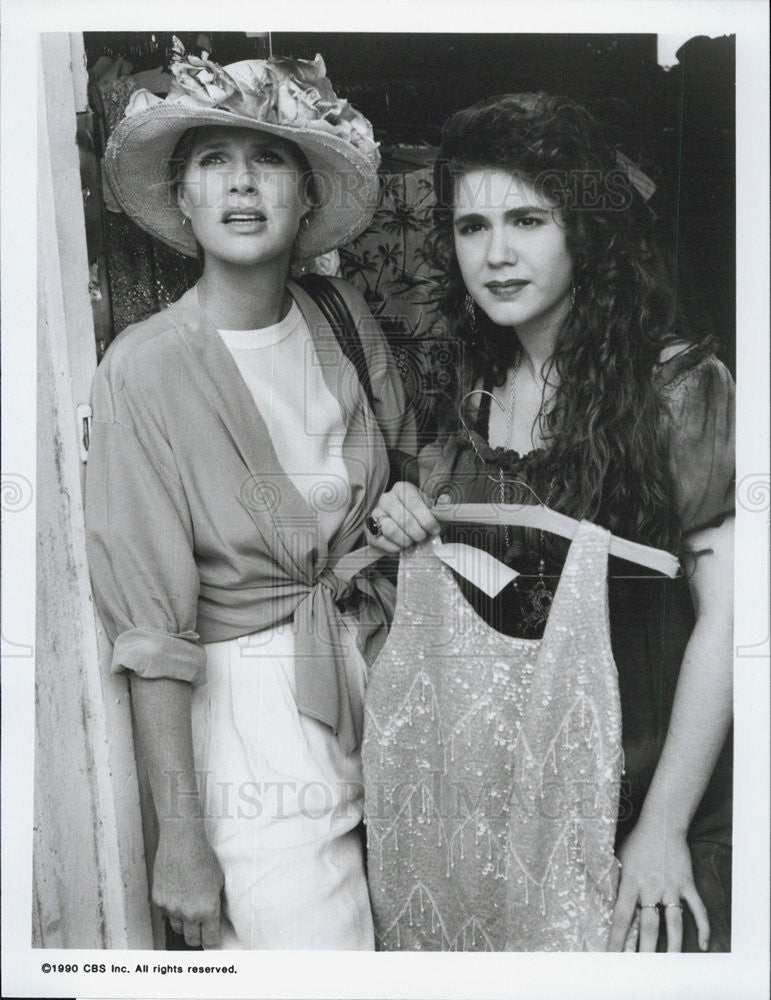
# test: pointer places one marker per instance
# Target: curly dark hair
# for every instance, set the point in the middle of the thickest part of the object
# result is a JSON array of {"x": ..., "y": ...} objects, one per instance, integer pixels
[{"x": 605, "y": 454}]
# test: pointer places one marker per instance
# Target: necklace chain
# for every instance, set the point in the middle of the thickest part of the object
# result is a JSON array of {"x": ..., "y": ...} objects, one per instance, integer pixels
[
  {"x": 501, "y": 478},
  {"x": 507, "y": 442},
  {"x": 512, "y": 397}
]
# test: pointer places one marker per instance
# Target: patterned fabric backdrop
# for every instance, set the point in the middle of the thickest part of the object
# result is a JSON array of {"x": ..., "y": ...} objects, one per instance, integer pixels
[{"x": 388, "y": 264}]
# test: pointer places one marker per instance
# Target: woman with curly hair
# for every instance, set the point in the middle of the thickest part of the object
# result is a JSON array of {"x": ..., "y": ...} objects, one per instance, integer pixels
[{"x": 579, "y": 390}]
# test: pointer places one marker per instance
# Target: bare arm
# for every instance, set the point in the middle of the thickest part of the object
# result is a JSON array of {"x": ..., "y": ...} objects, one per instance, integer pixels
[
  {"x": 655, "y": 856},
  {"x": 187, "y": 878}
]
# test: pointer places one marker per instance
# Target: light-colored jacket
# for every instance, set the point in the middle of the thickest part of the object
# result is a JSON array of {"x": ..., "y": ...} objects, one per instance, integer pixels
[{"x": 196, "y": 534}]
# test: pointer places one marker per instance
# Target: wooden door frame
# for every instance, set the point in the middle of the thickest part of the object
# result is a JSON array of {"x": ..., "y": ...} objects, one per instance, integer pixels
[{"x": 90, "y": 883}]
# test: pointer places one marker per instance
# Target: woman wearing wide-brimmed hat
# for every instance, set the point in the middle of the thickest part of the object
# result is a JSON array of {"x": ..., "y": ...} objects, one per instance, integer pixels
[{"x": 234, "y": 458}]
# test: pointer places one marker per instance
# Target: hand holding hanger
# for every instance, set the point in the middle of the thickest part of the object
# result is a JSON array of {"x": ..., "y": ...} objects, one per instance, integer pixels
[
  {"x": 406, "y": 515},
  {"x": 403, "y": 517}
]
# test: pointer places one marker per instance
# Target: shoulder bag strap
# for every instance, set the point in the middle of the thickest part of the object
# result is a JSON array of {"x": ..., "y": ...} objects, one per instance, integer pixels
[
  {"x": 336, "y": 312},
  {"x": 335, "y": 309}
]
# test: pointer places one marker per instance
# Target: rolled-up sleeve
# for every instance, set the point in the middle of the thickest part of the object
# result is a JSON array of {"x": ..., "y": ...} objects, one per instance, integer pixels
[
  {"x": 702, "y": 446},
  {"x": 139, "y": 541}
]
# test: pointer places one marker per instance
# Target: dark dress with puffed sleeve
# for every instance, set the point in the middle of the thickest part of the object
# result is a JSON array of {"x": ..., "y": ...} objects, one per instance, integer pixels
[{"x": 651, "y": 617}]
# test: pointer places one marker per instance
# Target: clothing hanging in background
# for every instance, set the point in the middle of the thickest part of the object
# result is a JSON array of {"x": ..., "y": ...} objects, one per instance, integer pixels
[{"x": 144, "y": 275}]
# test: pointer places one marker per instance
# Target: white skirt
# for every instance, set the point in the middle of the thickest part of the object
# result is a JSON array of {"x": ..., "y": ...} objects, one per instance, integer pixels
[{"x": 282, "y": 801}]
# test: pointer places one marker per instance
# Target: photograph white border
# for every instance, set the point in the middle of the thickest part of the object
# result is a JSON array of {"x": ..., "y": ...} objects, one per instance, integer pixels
[{"x": 743, "y": 973}]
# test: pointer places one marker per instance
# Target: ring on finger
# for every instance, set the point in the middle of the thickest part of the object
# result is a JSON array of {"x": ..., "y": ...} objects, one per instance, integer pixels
[
  {"x": 372, "y": 525},
  {"x": 679, "y": 906},
  {"x": 649, "y": 906}
]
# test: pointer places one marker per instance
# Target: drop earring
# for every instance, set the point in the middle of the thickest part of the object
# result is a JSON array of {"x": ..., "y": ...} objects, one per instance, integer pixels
[
  {"x": 572, "y": 296},
  {"x": 470, "y": 307},
  {"x": 186, "y": 224}
]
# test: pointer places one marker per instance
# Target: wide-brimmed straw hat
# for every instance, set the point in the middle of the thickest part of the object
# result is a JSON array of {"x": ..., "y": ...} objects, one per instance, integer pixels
[{"x": 291, "y": 98}]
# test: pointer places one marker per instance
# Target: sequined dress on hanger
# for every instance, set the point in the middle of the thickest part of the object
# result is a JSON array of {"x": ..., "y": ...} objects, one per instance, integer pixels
[{"x": 492, "y": 767}]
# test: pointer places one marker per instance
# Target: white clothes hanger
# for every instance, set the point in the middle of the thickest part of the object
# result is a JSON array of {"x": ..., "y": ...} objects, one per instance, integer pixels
[
  {"x": 544, "y": 518},
  {"x": 477, "y": 565},
  {"x": 541, "y": 517}
]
